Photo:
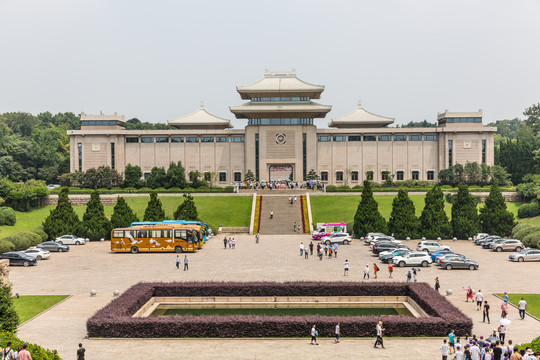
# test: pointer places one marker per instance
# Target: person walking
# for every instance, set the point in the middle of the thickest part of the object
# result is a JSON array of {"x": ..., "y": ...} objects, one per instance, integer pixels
[
  {"x": 311, "y": 248},
  {"x": 522, "y": 307},
  {"x": 504, "y": 310},
  {"x": 451, "y": 341},
  {"x": 24, "y": 354},
  {"x": 366, "y": 271},
  {"x": 257, "y": 238},
  {"x": 437, "y": 284},
  {"x": 233, "y": 243},
  {"x": 186, "y": 266},
  {"x": 415, "y": 271},
  {"x": 505, "y": 298},
  {"x": 230, "y": 243},
  {"x": 479, "y": 300},
  {"x": 271, "y": 215},
  {"x": 346, "y": 268},
  {"x": 301, "y": 248},
  {"x": 325, "y": 250},
  {"x": 502, "y": 332},
  {"x": 409, "y": 276},
  {"x": 314, "y": 334},
  {"x": 7, "y": 353},
  {"x": 335, "y": 250},
  {"x": 225, "y": 242},
  {"x": 379, "y": 329},
  {"x": 306, "y": 254},
  {"x": 337, "y": 332},
  {"x": 486, "y": 312},
  {"x": 177, "y": 262},
  {"x": 444, "y": 350},
  {"x": 295, "y": 199},
  {"x": 80, "y": 352},
  {"x": 320, "y": 254},
  {"x": 294, "y": 227},
  {"x": 390, "y": 271},
  {"x": 375, "y": 270},
  {"x": 469, "y": 294}
]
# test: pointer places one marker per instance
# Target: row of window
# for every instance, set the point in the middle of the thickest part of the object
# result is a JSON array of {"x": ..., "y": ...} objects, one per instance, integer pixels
[
  {"x": 464, "y": 120},
  {"x": 415, "y": 175},
  {"x": 222, "y": 176},
  {"x": 281, "y": 121},
  {"x": 181, "y": 139},
  {"x": 98, "y": 123},
  {"x": 281, "y": 98},
  {"x": 341, "y": 138}
]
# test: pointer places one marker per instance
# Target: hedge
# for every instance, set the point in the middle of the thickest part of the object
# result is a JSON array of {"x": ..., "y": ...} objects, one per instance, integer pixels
[
  {"x": 529, "y": 210},
  {"x": 7, "y": 216},
  {"x": 115, "y": 319},
  {"x": 6, "y": 246},
  {"x": 520, "y": 227},
  {"x": 378, "y": 188},
  {"x": 532, "y": 239},
  {"x": 145, "y": 190},
  {"x": 22, "y": 240},
  {"x": 521, "y": 234},
  {"x": 38, "y": 353}
]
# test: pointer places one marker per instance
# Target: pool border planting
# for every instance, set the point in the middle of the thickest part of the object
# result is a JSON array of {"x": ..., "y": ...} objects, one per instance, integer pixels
[{"x": 116, "y": 320}]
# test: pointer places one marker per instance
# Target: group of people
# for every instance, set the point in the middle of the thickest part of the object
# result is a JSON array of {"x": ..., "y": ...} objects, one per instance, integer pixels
[
  {"x": 337, "y": 333},
  {"x": 186, "y": 262},
  {"x": 278, "y": 184},
  {"x": 231, "y": 242},
  {"x": 328, "y": 250},
  {"x": 21, "y": 353}
]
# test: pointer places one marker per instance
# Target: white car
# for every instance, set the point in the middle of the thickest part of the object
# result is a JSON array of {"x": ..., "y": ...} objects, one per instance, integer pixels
[
  {"x": 413, "y": 259},
  {"x": 71, "y": 240},
  {"x": 480, "y": 236},
  {"x": 337, "y": 238},
  {"x": 384, "y": 239},
  {"x": 371, "y": 236},
  {"x": 37, "y": 253},
  {"x": 431, "y": 246}
]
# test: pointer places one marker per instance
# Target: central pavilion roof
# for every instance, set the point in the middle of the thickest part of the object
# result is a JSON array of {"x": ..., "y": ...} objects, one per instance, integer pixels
[
  {"x": 282, "y": 84},
  {"x": 200, "y": 119},
  {"x": 361, "y": 118}
]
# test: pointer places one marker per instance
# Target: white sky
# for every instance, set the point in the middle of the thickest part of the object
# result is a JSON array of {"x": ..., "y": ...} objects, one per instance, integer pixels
[{"x": 156, "y": 60}]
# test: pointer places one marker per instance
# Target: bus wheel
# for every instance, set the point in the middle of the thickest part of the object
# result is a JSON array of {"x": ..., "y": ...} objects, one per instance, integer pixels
[
  {"x": 134, "y": 249},
  {"x": 178, "y": 249}
]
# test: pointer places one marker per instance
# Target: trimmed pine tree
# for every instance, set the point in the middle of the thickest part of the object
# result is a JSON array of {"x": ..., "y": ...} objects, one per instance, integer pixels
[
  {"x": 95, "y": 224},
  {"x": 9, "y": 319},
  {"x": 465, "y": 220},
  {"x": 187, "y": 209},
  {"x": 62, "y": 220},
  {"x": 367, "y": 218},
  {"x": 434, "y": 222},
  {"x": 122, "y": 215},
  {"x": 494, "y": 217},
  {"x": 403, "y": 221},
  {"x": 154, "y": 211}
]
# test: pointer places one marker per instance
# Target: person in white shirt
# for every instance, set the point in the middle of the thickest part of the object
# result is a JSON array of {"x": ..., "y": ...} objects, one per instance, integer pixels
[
  {"x": 479, "y": 299},
  {"x": 366, "y": 271},
  {"x": 475, "y": 352},
  {"x": 314, "y": 334},
  {"x": 444, "y": 350},
  {"x": 346, "y": 266},
  {"x": 301, "y": 249},
  {"x": 460, "y": 355},
  {"x": 522, "y": 306},
  {"x": 379, "y": 330}
]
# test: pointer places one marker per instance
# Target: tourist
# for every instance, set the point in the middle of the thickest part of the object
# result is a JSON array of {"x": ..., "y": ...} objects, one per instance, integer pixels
[
  {"x": 257, "y": 238},
  {"x": 295, "y": 199},
  {"x": 475, "y": 351},
  {"x": 390, "y": 271},
  {"x": 379, "y": 329},
  {"x": 7, "y": 353},
  {"x": 177, "y": 262},
  {"x": 515, "y": 354},
  {"x": 314, "y": 334},
  {"x": 409, "y": 276},
  {"x": 320, "y": 254},
  {"x": 311, "y": 248},
  {"x": 294, "y": 227},
  {"x": 306, "y": 254},
  {"x": 337, "y": 332},
  {"x": 451, "y": 341},
  {"x": 467, "y": 353},
  {"x": 271, "y": 215},
  {"x": 375, "y": 270},
  {"x": 233, "y": 243},
  {"x": 186, "y": 263},
  {"x": 497, "y": 351},
  {"x": 80, "y": 352},
  {"x": 230, "y": 243},
  {"x": 479, "y": 299},
  {"x": 301, "y": 248},
  {"x": 486, "y": 312},
  {"x": 225, "y": 242},
  {"x": 290, "y": 200},
  {"x": 522, "y": 307},
  {"x": 502, "y": 332},
  {"x": 481, "y": 342},
  {"x": 24, "y": 354},
  {"x": 510, "y": 347},
  {"x": 366, "y": 271},
  {"x": 346, "y": 266},
  {"x": 318, "y": 248},
  {"x": 330, "y": 249},
  {"x": 415, "y": 271},
  {"x": 505, "y": 298},
  {"x": 335, "y": 250},
  {"x": 459, "y": 355},
  {"x": 325, "y": 250},
  {"x": 437, "y": 284},
  {"x": 444, "y": 350},
  {"x": 469, "y": 294}
]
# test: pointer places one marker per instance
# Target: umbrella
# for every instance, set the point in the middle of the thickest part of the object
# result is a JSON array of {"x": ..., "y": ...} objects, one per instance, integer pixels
[{"x": 504, "y": 322}]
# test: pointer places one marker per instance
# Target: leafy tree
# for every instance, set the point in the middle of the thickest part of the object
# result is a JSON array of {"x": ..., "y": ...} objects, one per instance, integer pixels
[
  {"x": 473, "y": 173},
  {"x": 249, "y": 176},
  {"x": 187, "y": 209},
  {"x": 157, "y": 178},
  {"x": 465, "y": 220},
  {"x": 367, "y": 218},
  {"x": 95, "y": 224},
  {"x": 62, "y": 219},
  {"x": 154, "y": 211},
  {"x": 403, "y": 222},
  {"x": 494, "y": 217},
  {"x": 312, "y": 175},
  {"x": 434, "y": 221},
  {"x": 132, "y": 176},
  {"x": 122, "y": 215},
  {"x": 9, "y": 320},
  {"x": 518, "y": 156},
  {"x": 176, "y": 175},
  {"x": 422, "y": 124},
  {"x": 195, "y": 179},
  {"x": 533, "y": 117},
  {"x": 136, "y": 124}
]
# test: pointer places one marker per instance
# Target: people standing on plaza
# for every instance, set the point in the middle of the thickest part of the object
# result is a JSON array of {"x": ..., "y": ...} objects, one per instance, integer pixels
[
  {"x": 502, "y": 332},
  {"x": 311, "y": 248},
  {"x": 24, "y": 354},
  {"x": 444, "y": 350},
  {"x": 379, "y": 330},
  {"x": 186, "y": 267},
  {"x": 335, "y": 250},
  {"x": 230, "y": 243},
  {"x": 390, "y": 271},
  {"x": 177, "y": 262},
  {"x": 504, "y": 310},
  {"x": 294, "y": 227},
  {"x": 486, "y": 312},
  {"x": 505, "y": 298},
  {"x": 479, "y": 300},
  {"x": 475, "y": 351},
  {"x": 522, "y": 307},
  {"x": 469, "y": 294},
  {"x": 320, "y": 254},
  {"x": 437, "y": 284},
  {"x": 80, "y": 352},
  {"x": 337, "y": 332},
  {"x": 318, "y": 248},
  {"x": 233, "y": 243},
  {"x": 225, "y": 242},
  {"x": 295, "y": 199},
  {"x": 290, "y": 200},
  {"x": 346, "y": 266},
  {"x": 325, "y": 250},
  {"x": 497, "y": 351},
  {"x": 415, "y": 271},
  {"x": 301, "y": 248},
  {"x": 375, "y": 270},
  {"x": 271, "y": 215},
  {"x": 409, "y": 276},
  {"x": 467, "y": 352},
  {"x": 257, "y": 238},
  {"x": 452, "y": 341},
  {"x": 330, "y": 249},
  {"x": 314, "y": 334},
  {"x": 366, "y": 271},
  {"x": 306, "y": 254}
]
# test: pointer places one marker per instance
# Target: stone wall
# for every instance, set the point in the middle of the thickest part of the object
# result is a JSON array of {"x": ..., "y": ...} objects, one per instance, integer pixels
[
  {"x": 4, "y": 271},
  {"x": 78, "y": 200}
]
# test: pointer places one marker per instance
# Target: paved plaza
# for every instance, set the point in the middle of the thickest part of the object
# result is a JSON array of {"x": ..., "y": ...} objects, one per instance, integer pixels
[{"x": 275, "y": 258}]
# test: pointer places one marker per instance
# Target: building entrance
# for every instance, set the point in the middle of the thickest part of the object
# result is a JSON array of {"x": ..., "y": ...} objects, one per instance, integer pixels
[{"x": 280, "y": 172}]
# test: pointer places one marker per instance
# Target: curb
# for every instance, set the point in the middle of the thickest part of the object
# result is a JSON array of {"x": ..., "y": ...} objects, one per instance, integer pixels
[{"x": 514, "y": 306}]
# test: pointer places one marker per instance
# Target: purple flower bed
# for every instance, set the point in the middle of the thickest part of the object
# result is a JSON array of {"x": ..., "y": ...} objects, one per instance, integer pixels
[{"x": 115, "y": 319}]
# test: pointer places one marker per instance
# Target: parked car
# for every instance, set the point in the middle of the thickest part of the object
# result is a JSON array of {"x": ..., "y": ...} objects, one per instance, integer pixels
[
  {"x": 525, "y": 255},
  {"x": 487, "y": 244},
  {"x": 438, "y": 260},
  {"x": 337, "y": 238},
  {"x": 18, "y": 258},
  {"x": 459, "y": 263},
  {"x": 436, "y": 254},
  {"x": 39, "y": 254},
  {"x": 71, "y": 240},
  {"x": 387, "y": 256},
  {"x": 384, "y": 239},
  {"x": 413, "y": 259},
  {"x": 506, "y": 245},
  {"x": 480, "y": 236},
  {"x": 431, "y": 246},
  {"x": 480, "y": 241},
  {"x": 371, "y": 236},
  {"x": 386, "y": 246},
  {"x": 53, "y": 246}
]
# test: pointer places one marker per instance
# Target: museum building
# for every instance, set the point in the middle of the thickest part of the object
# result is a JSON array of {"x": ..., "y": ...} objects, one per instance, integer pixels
[{"x": 280, "y": 140}]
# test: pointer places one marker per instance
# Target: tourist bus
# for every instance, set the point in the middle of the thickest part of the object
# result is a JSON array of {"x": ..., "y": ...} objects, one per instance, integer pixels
[
  {"x": 328, "y": 229},
  {"x": 155, "y": 238},
  {"x": 199, "y": 226}
]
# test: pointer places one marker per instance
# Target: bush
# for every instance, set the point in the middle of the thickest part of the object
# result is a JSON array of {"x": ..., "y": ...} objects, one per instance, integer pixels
[
  {"x": 38, "y": 353},
  {"x": 7, "y": 216},
  {"x": 350, "y": 228},
  {"x": 519, "y": 227},
  {"x": 24, "y": 240},
  {"x": 534, "y": 345},
  {"x": 331, "y": 188},
  {"x": 529, "y": 210},
  {"x": 532, "y": 239},
  {"x": 6, "y": 246},
  {"x": 520, "y": 235},
  {"x": 41, "y": 233}
]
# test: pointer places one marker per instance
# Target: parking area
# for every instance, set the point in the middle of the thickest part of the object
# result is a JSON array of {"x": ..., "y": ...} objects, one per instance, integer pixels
[{"x": 275, "y": 258}]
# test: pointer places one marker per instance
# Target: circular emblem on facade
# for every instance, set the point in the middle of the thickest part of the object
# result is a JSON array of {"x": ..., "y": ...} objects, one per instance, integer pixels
[{"x": 281, "y": 139}]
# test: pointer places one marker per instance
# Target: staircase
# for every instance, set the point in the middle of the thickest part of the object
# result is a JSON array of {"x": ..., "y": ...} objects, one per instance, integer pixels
[{"x": 285, "y": 215}]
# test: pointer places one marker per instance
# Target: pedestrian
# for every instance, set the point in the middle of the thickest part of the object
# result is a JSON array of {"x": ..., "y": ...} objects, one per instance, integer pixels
[
  {"x": 390, "y": 271},
  {"x": 186, "y": 267},
  {"x": 271, "y": 215},
  {"x": 335, "y": 250},
  {"x": 486, "y": 312},
  {"x": 502, "y": 332},
  {"x": 444, "y": 350},
  {"x": 301, "y": 248},
  {"x": 320, "y": 254},
  {"x": 366, "y": 271},
  {"x": 177, "y": 262},
  {"x": 318, "y": 248},
  {"x": 475, "y": 351},
  {"x": 225, "y": 242},
  {"x": 346, "y": 266},
  {"x": 504, "y": 310},
  {"x": 295, "y": 199},
  {"x": 330, "y": 249},
  {"x": 505, "y": 298},
  {"x": 479, "y": 299},
  {"x": 467, "y": 352},
  {"x": 415, "y": 270},
  {"x": 314, "y": 334},
  {"x": 437, "y": 284},
  {"x": 7, "y": 353},
  {"x": 375, "y": 270},
  {"x": 409, "y": 276},
  {"x": 452, "y": 341},
  {"x": 230, "y": 243},
  {"x": 80, "y": 352},
  {"x": 294, "y": 227},
  {"x": 306, "y": 254},
  {"x": 379, "y": 329},
  {"x": 257, "y": 238},
  {"x": 469, "y": 294},
  {"x": 311, "y": 248},
  {"x": 24, "y": 354},
  {"x": 233, "y": 243},
  {"x": 290, "y": 200},
  {"x": 522, "y": 307},
  {"x": 337, "y": 332},
  {"x": 497, "y": 351}
]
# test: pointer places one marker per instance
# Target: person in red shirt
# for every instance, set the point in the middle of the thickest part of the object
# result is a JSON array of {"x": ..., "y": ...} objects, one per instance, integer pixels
[{"x": 390, "y": 270}]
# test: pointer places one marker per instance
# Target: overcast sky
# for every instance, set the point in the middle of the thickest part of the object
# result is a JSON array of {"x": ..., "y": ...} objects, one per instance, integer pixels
[{"x": 156, "y": 60}]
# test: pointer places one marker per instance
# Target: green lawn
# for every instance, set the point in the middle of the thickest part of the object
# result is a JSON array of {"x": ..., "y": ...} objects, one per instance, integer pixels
[
  {"x": 29, "y": 306},
  {"x": 533, "y": 302},
  {"x": 226, "y": 210},
  {"x": 286, "y": 312}
]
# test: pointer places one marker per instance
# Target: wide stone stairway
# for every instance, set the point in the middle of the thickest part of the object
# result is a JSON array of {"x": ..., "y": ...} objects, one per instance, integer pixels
[{"x": 285, "y": 214}]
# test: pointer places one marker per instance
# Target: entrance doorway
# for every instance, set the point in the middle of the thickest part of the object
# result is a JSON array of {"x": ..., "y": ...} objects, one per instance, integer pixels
[{"x": 280, "y": 172}]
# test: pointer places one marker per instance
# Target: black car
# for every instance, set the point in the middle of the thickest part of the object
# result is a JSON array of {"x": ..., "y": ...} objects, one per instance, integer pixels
[
  {"x": 386, "y": 246},
  {"x": 481, "y": 241},
  {"x": 387, "y": 259},
  {"x": 18, "y": 258},
  {"x": 53, "y": 246}
]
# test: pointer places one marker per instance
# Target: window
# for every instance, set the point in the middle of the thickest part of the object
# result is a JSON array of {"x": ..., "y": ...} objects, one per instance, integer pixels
[
  {"x": 370, "y": 138},
  {"x": 282, "y": 98},
  {"x": 323, "y": 138},
  {"x": 237, "y": 139},
  {"x": 384, "y": 175},
  {"x": 79, "y": 146},
  {"x": 207, "y": 139},
  {"x": 162, "y": 139},
  {"x": 222, "y": 139},
  {"x": 354, "y": 176},
  {"x": 415, "y": 175},
  {"x": 464, "y": 120},
  {"x": 177, "y": 139},
  {"x": 430, "y": 137},
  {"x": 283, "y": 121},
  {"x": 237, "y": 176},
  {"x": 415, "y": 137},
  {"x": 483, "y": 151},
  {"x": 146, "y": 139},
  {"x": 400, "y": 137},
  {"x": 222, "y": 176},
  {"x": 450, "y": 153},
  {"x": 304, "y": 156},
  {"x": 399, "y": 175},
  {"x": 340, "y": 138},
  {"x": 431, "y": 175},
  {"x": 98, "y": 123},
  {"x": 207, "y": 176},
  {"x": 385, "y": 137},
  {"x": 146, "y": 175},
  {"x": 132, "y": 139},
  {"x": 355, "y": 138},
  {"x": 257, "y": 157},
  {"x": 113, "y": 156},
  {"x": 324, "y": 175},
  {"x": 339, "y": 175},
  {"x": 369, "y": 175},
  {"x": 192, "y": 139}
]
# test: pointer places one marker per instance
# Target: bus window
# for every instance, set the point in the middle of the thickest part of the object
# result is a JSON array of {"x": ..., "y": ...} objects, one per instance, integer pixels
[
  {"x": 156, "y": 233},
  {"x": 190, "y": 236},
  {"x": 118, "y": 234},
  {"x": 166, "y": 233}
]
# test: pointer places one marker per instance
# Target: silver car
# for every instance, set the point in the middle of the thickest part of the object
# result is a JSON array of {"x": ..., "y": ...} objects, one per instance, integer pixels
[
  {"x": 337, "y": 238},
  {"x": 507, "y": 245},
  {"x": 525, "y": 255}
]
